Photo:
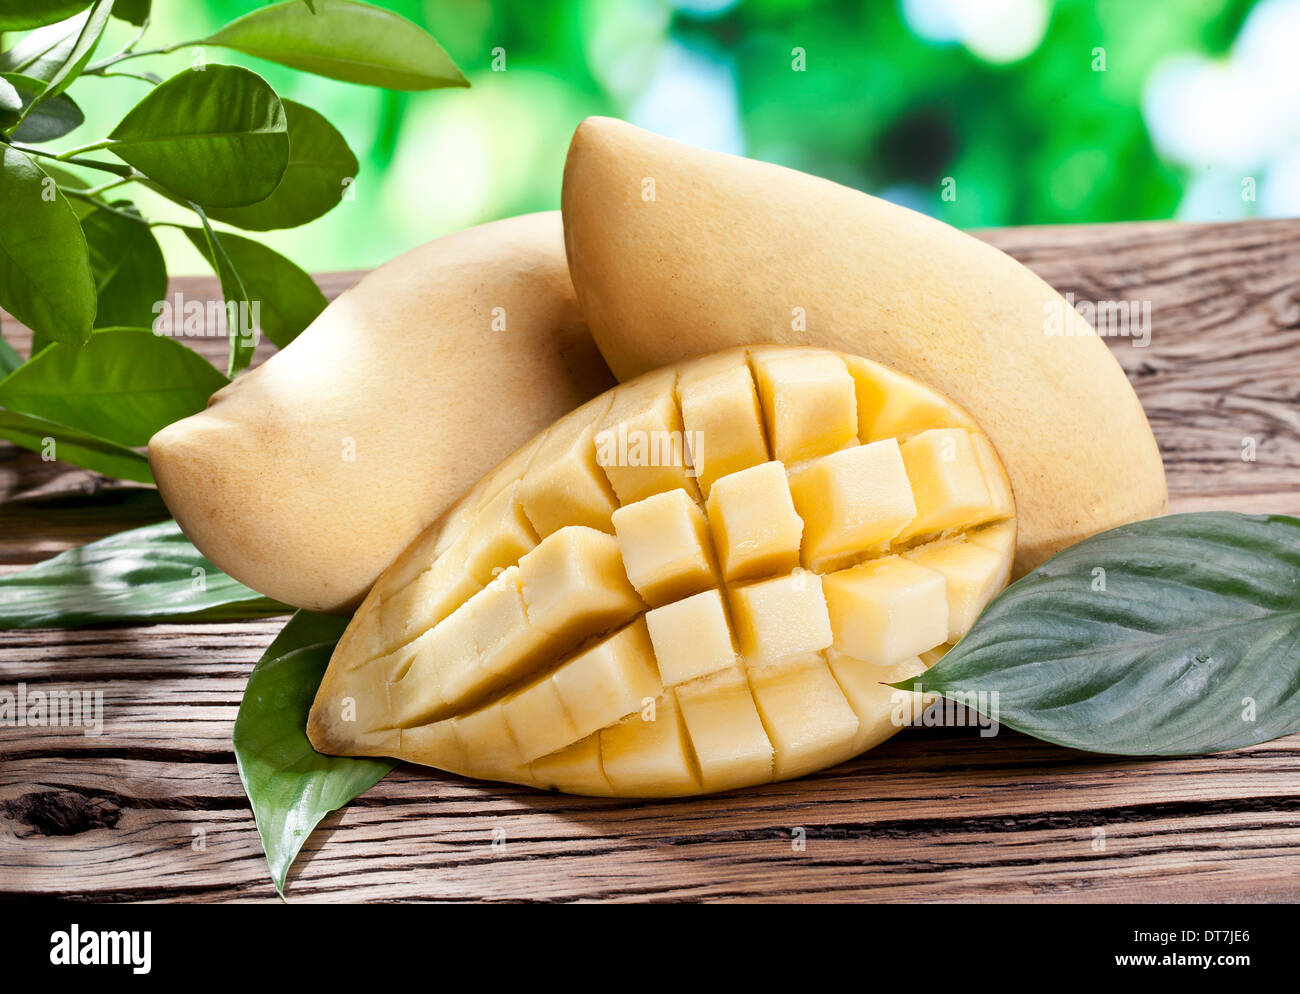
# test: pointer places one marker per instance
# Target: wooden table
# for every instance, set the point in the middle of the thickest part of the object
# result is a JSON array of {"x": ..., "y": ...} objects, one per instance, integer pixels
[{"x": 154, "y": 810}]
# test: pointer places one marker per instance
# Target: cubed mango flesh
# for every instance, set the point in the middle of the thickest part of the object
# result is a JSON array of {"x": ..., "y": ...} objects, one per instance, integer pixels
[{"x": 603, "y": 619}]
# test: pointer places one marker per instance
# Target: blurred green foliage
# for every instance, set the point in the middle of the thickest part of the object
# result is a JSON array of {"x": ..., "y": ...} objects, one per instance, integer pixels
[{"x": 1044, "y": 138}]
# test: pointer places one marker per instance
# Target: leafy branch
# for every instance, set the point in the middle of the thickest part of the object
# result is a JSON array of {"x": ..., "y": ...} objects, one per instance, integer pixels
[
  {"x": 214, "y": 138},
  {"x": 85, "y": 273}
]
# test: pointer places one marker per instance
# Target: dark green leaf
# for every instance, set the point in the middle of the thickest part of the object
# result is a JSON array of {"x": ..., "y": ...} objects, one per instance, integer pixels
[
  {"x": 289, "y": 784},
  {"x": 1173, "y": 636},
  {"x": 145, "y": 574},
  {"x": 130, "y": 274},
  {"x": 20, "y": 15},
  {"x": 287, "y": 299},
  {"x": 68, "y": 180},
  {"x": 124, "y": 384},
  {"x": 242, "y": 324},
  {"x": 45, "y": 51},
  {"x": 10, "y": 103},
  {"x": 216, "y": 136},
  {"x": 78, "y": 54},
  {"x": 45, "y": 278},
  {"x": 320, "y": 166},
  {"x": 115, "y": 506},
  {"x": 282, "y": 298},
  {"x": 53, "y": 118},
  {"x": 132, "y": 11},
  {"x": 345, "y": 40},
  {"x": 56, "y": 441},
  {"x": 9, "y": 358}
]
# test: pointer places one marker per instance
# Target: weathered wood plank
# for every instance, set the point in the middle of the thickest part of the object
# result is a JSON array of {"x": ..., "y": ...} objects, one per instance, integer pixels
[
  {"x": 1223, "y": 363},
  {"x": 153, "y": 808},
  {"x": 925, "y": 817},
  {"x": 934, "y": 814}
]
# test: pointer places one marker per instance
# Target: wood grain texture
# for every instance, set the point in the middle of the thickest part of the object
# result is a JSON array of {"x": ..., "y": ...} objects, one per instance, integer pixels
[{"x": 152, "y": 809}]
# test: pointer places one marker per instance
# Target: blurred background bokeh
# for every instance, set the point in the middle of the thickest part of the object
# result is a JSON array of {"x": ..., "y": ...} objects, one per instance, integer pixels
[{"x": 1030, "y": 111}]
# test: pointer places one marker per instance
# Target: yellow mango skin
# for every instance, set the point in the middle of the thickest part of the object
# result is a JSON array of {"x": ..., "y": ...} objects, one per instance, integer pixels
[
  {"x": 729, "y": 247},
  {"x": 669, "y": 690},
  {"x": 406, "y": 372}
]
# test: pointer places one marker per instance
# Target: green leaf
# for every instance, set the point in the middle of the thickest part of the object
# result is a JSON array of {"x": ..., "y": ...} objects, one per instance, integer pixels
[
  {"x": 78, "y": 54},
  {"x": 45, "y": 277},
  {"x": 125, "y": 384},
  {"x": 9, "y": 358},
  {"x": 320, "y": 166},
  {"x": 145, "y": 574},
  {"x": 53, "y": 118},
  {"x": 67, "y": 180},
  {"x": 132, "y": 11},
  {"x": 282, "y": 297},
  {"x": 56, "y": 441},
  {"x": 1173, "y": 636},
  {"x": 130, "y": 273},
  {"x": 20, "y": 15},
  {"x": 345, "y": 40},
  {"x": 216, "y": 136},
  {"x": 287, "y": 298},
  {"x": 43, "y": 52},
  {"x": 241, "y": 327},
  {"x": 289, "y": 784},
  {"x": 10, "y": 103}
]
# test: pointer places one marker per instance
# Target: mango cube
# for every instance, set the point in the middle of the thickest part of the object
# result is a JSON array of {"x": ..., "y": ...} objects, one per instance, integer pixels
[
  {"x": 722, "y": 419},
  {"x": 538, "y": 719},
  {"x": 648, "y": 753},
  {"x": 947, "y": 481},
  {"x": 973, "y": 574},
  {"x": 506, "y": 646},
  {"x": 609, "y": 680},
  {"x": 576, "y": 769},
  {"x": 486, "y": 737},
  {"x": 995, "y": 478},
  {"x": 363, "y": 703},
  {"x": 499, "y": 535},
  {"x": 445, "y": 657},
  {"x": 1000, "y": 537},
  {"x": 851, "y": 501},
  {"x": 640, "y": 443},
  {"x": 891, "y": 405},
  {"x": 563, "y": 485},
  {"x": 887, "y": 610},
  {"x": 691, "y": 637},
  {"x": 439, "y": 741},
  {"x": 782, "y": 617},
  {"x": 507, "y": 642},
  {"x": 574, "y": 585},
  {"x": 881, "y": 710},
  {"x": 726, "y": 734},
  {"x": 809, "y": 402},
  {"x": 808, "y": 720},
  {"x": 429, "y": 598},
  {"x": 666, "y": 547},
  {"x": 755, "y": 528}
]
